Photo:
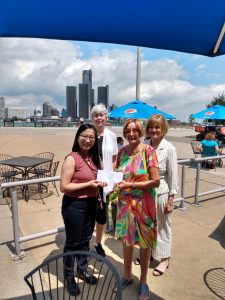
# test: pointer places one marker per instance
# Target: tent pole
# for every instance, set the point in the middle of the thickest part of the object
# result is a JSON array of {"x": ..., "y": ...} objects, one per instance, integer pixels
[{"x": 138, "y": 74}]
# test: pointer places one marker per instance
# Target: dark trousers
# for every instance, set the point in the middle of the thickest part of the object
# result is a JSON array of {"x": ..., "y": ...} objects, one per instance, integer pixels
[{"x": 79, "y": 219}]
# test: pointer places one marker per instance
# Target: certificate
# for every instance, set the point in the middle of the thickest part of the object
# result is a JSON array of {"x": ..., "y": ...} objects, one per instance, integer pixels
[{"x": 109, "y": 176}]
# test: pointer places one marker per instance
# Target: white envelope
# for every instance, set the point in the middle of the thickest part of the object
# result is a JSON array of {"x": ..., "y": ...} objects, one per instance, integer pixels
[{"x": 109, "y": 176}]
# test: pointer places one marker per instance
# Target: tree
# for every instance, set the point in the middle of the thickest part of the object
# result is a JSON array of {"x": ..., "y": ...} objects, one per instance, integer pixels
[
  {"x": 220, "y": 100},
  {"x": 191, "y": 119}
]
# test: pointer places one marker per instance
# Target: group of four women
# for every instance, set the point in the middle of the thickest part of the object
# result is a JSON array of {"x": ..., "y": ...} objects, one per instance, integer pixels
[{"x": 148, "y": 168}]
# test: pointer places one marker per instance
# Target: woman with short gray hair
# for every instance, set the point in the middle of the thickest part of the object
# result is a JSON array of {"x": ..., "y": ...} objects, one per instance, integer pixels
[{"x": 107, "y": 145}]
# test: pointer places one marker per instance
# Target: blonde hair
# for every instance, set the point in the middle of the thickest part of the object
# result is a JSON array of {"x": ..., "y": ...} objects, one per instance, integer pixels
[
  {"x": 210, "y": 136},
  {"x": 158, "y": 120},
  {"x": 137, "y": 123}
]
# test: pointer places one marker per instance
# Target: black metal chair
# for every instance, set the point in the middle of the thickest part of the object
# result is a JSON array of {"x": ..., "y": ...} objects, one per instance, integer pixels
[
  {"x": 194, "y": 146},
  {"x": 42, "y": 168},
  {"x": 47, "y": 281},
  {"x": 8, "y": 173},
  {"x": 51, "y": 173}
]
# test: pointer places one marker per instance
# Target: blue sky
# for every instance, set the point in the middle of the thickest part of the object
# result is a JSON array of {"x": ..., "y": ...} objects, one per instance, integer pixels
[{"x": 38, "y": 70}]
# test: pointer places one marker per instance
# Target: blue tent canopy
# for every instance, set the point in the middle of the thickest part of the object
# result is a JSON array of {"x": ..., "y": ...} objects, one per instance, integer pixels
[
  {"x": 216, "y": 112},
  {"x": 137, "y": 109},
  {"x": 193, "y": 26}
]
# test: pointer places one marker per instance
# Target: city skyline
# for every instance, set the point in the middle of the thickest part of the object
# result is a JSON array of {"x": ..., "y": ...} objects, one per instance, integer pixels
[{"x": 177, "y": 83}]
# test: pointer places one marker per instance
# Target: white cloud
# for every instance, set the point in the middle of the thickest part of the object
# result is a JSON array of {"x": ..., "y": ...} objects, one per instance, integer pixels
[
  {"x": 200, "y": 67},
  {"x": 33, "y": 70}
]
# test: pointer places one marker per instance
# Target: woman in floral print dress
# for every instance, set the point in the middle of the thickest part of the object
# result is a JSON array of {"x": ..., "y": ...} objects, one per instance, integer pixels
[{"x": 136, "y": 212}]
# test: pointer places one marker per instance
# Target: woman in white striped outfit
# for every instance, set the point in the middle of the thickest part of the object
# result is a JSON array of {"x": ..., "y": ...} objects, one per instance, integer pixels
[{"x": 156, "y": 129}]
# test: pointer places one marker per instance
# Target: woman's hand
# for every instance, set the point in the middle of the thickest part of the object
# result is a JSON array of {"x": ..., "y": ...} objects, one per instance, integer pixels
[
  {"x": 169, "y": 205},
  {"x": 97, "y": 183},
  {"x": 124, "y": 184}
]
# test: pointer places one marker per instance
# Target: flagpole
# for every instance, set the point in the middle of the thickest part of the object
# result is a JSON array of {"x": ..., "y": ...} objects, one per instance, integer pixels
[{"x": 138, "y": 74}]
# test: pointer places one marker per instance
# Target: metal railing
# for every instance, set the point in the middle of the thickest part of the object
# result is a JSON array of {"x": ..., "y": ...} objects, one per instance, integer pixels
[{"x": 15, "y": 215}]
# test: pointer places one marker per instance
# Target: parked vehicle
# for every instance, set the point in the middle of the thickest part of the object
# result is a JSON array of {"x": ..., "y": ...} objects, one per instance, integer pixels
[{"x": 217, "y": 126}]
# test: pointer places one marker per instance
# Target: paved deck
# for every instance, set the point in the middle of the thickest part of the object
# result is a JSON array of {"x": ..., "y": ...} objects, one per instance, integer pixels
[{"x": 197, "y": 267}]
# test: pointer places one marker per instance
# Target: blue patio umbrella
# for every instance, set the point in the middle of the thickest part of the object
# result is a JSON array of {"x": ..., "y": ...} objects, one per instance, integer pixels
[
  {"x": 216, "y": 112},
  {"x": 193, "y": 26},
  {"x": 137, "y": 109}
]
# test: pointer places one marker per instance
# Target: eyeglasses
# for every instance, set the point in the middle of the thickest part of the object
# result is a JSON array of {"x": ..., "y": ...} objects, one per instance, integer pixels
[
  {"x": 101, "y": 115},
  {"x": 86, "y": 137},
  {"x": 135, "y": 131}
]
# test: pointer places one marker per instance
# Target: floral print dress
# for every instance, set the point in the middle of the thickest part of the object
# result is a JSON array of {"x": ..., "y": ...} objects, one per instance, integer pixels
[{"x": 136, "y": 210}]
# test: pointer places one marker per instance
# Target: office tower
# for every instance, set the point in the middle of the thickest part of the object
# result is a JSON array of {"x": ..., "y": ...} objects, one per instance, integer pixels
[
  {"x": 87, "y": 79},
  {"x": 103, "y": 95},
  {"x": 71, "y": 101},
  {"x": 84, "y": 100},
  {"x": 46, "y": 109},
  {"x": 2, "y": 102},
  {"x": 2, "y": 108}
]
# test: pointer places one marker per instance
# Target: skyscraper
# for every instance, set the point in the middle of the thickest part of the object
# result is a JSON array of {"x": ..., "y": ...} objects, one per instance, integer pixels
[
  {"x": 46, "y": 109},
  {"x": 2, "y": 108},
  {"x": 103, "y": 95},
  {"x": 71, "y": 101},
  {"x": 2, "y": 102},
  {"x": 86, "y": 95}
]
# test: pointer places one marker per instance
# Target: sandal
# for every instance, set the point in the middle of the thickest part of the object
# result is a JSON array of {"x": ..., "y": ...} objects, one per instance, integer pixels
[
  {"x": 143, "y": 292},
  {"x": 124, "y": 283},
  {"x": 158, "y": 272}
]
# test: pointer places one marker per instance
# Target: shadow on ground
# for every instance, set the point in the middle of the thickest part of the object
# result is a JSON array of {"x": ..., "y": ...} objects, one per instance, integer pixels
[
  {"x": 219, "y": 234},
  {"x": 215, "y": 281}
]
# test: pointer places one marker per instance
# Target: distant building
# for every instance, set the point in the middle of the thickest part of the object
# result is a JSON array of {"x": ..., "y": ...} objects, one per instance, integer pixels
[
  {"x": 54, "y": 112},
  {"x": 38, "y": 111},
  {"x": 112, "y": 107},
  {"x": 86, "y": 91},
  {"x": 103, "y": 95},
  {"x": 46, "y": 109},
  {"x": 84, "y": 97},
  {"x": 2, "y": 102},
  {"x": 64, "y": 113},
  {"x": 19, "y": 112},
  {"x": 71, "y": 101}
]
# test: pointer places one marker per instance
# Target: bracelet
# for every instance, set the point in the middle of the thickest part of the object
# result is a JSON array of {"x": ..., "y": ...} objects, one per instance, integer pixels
[{"x": 133, "y": 185}]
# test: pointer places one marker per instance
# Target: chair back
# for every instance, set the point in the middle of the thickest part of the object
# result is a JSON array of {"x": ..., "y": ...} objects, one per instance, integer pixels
[
  {"x": 54, "y": 168},
  {"x": 49, "y": 155},
  {"x": 45, "y": 167},
  {"x": 5, "y": 156},
  {"x": 47, "y": 281},
  {"x": 6, "y": 172},
  {"x": 194, "y": 146}
]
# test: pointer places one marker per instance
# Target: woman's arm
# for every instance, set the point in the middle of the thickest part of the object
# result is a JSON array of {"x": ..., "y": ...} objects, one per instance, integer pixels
[
  {"x": 66, "y": 186},
  {"x": 142, "y": 185},
  {"x": 217, "y": 150}
]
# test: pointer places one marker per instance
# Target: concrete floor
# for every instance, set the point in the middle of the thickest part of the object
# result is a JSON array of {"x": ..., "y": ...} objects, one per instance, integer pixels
[{"x": 197, "y": 267}]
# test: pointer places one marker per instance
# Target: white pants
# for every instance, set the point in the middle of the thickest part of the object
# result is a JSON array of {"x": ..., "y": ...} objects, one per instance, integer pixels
[{"x": 164, "y": 239}]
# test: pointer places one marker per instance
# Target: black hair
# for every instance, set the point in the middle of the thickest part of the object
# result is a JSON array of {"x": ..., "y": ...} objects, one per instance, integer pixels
[
  {"x": 119, "y": 139},
  {"x": 93, "y": 151}
]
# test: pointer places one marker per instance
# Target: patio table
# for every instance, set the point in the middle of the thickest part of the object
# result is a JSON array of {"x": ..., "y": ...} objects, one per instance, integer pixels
[{"x": 24, "y": 163}]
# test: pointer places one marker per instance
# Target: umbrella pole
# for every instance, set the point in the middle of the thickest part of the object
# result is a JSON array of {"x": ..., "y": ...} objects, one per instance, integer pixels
[{"x": 138, "y": 74}]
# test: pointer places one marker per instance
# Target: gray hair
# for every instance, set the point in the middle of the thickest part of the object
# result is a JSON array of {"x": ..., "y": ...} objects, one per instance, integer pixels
[{"x": 98, "y": 109}]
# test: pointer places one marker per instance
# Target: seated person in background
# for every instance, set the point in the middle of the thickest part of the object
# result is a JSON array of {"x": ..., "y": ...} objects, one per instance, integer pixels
[
  {"x": 120, "y": 142},
  {"x": 209, "y": 147}
]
